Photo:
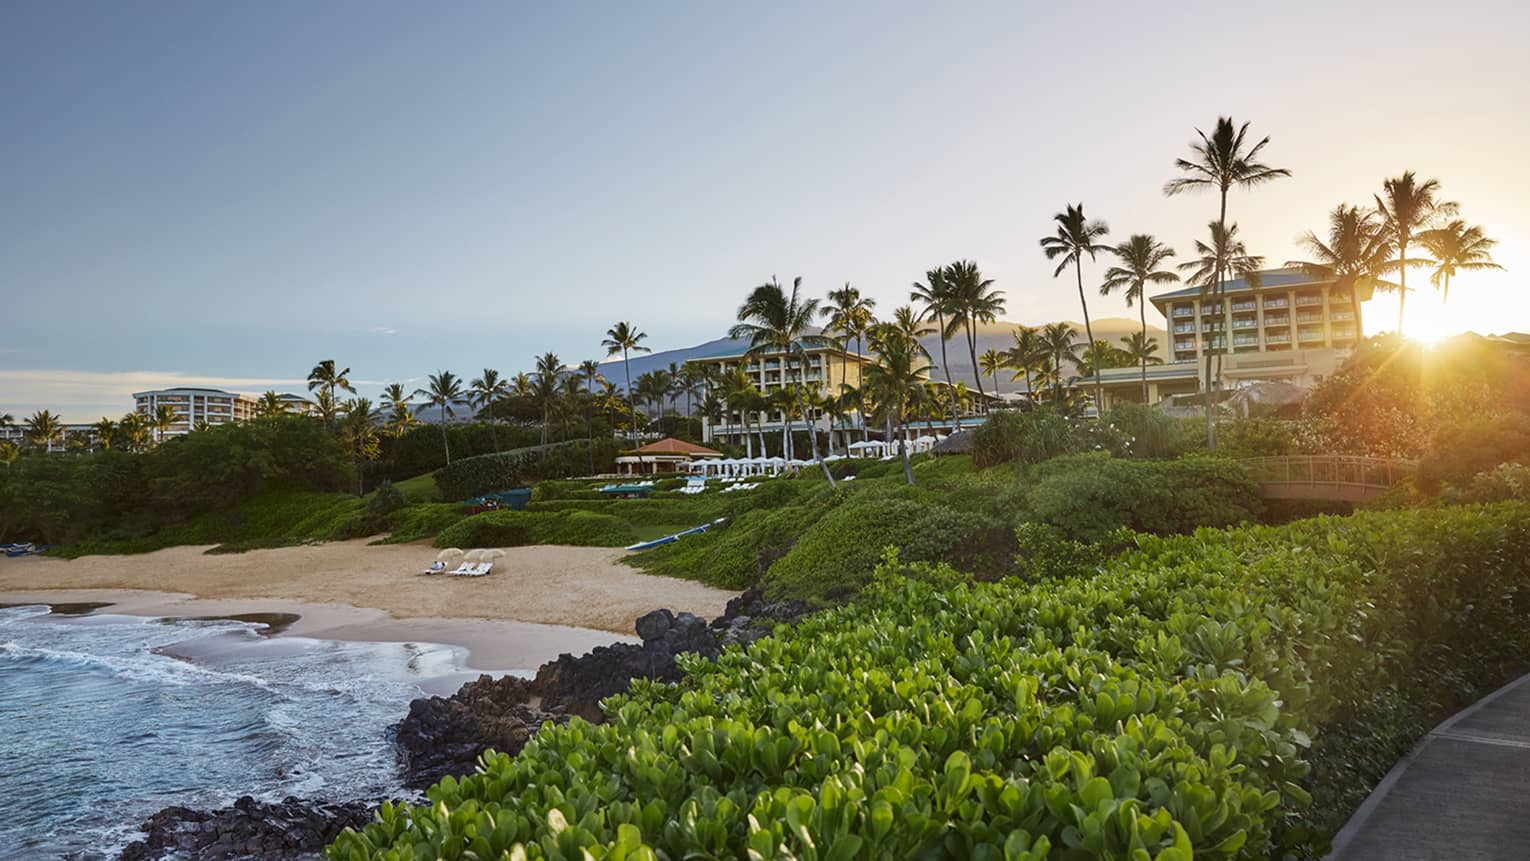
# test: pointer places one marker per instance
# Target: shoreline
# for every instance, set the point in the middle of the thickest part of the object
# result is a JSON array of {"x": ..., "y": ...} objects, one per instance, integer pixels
[{"x": 540, "y": 602}]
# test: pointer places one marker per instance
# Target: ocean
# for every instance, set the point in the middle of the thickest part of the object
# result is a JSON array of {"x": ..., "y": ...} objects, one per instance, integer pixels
[{"x": 105, "y": 719}]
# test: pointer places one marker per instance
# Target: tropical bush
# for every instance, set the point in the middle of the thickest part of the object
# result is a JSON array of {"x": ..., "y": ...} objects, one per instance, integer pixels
[
  {"x": 1029, "y": 436},
  {"x": 1147, "y": 432},
  {"x": 516, "y": 528},
  {"x": 1505, "y": 482},
  {"x": 470, "y": 476},
  {"x": 1089, "y": 496},
  {"x": 1230, "y": 694},
  {"x": 1472, "y": 445}
]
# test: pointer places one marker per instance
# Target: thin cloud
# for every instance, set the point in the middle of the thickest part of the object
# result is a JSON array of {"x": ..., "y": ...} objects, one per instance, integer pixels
[
  {"x": 382, "y": 330},
  {"x": 86, "y": 395}
]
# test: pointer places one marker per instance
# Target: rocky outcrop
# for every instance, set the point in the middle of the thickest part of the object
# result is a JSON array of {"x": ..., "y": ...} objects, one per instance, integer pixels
[
  {"x": 292, "y": 828},
  {"x": 444, "y": 735}
]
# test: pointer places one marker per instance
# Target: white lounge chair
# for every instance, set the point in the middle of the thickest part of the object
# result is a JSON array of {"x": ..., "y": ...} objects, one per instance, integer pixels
[
  {"x": 479, "y": 570},
  {"x": 464, "y": 568},
  {"x": 436, "y": 567}
]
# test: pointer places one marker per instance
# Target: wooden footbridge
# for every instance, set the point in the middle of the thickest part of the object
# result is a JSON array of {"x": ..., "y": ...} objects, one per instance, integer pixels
[{"x": 1338, "y": 477}]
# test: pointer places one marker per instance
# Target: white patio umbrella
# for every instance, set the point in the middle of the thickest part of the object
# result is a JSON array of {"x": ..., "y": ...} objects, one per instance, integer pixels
[
  {"x": 448, "y": 554},
  {"x": 495, "y": 553}
]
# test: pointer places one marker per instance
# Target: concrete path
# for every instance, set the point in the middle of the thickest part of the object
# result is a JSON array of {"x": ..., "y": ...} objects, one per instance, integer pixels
[{"x": 1463, "y": 794}]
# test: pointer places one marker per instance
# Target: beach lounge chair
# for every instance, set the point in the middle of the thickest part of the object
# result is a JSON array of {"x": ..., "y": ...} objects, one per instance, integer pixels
[
  {"x": 482, "y": 568},
  {"x": 436, "y": 567},
  {"x": 464, "y": 568}
]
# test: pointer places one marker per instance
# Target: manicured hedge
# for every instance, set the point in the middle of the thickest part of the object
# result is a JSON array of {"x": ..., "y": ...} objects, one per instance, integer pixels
[
  {"x": 486, "y": 473},
  {"x": 516, "y": 528},
  {"x": 1230, "y": 694}
]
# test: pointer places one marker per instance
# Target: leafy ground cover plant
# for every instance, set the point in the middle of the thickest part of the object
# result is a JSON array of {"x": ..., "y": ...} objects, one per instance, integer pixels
[{"x": 1229, "y": 694}]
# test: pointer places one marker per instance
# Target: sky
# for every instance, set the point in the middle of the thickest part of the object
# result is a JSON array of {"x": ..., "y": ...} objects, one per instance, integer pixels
[{"x": 225, "y": 194}]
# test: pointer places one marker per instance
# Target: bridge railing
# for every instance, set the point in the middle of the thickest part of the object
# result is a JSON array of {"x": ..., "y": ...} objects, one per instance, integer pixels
[{"x": 1329, "y": 470}]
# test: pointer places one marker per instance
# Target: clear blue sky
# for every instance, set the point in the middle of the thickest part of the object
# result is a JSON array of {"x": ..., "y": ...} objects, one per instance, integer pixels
[{"x": 231, "y": 192}]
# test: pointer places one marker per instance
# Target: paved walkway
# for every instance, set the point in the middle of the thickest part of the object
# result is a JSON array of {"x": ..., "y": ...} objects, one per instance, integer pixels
[{"x": 1463, "y": 794}]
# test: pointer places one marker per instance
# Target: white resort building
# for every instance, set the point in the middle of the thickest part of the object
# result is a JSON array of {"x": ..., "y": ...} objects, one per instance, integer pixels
[
  {"x": 1288, "y": 329},
  {"x": 195, "y": 405},
  {"x": 825, "y": 371}
]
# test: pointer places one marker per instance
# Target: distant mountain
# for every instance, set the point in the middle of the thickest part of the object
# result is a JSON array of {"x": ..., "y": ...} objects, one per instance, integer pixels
[{"x": 996, "y": 336}]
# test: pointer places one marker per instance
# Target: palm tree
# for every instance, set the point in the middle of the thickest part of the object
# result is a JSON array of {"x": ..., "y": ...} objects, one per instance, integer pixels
[
  {"x": 897, "y": 382},
  {"x": 1075, "y": 237},
  {"x": 1141, "y": 350},
  {"x": 1140, "y": 257},
  {"x": 1060, "y": 341},
  {"x": 850, "y": 315},
  {"x": 545, "y": 387},
  {"x": 163, "y": 419},
  {"x": 1220, "y": 162},
  {"x": 483, "y": 392},
  {"x": 1353, "y": 257},
  {"x": 624, "y": 338},
  {"x": 1100, "y": 356},
  {"x": 590, "y": 370},
  {"x": 400, "y": 415},
  {"x": 270, "y": 405},
  {"x": 936, "y": 297},
  {"x": 1456, "y": 247},
  {"x": 43, "y": 428},
  {"x": 992, "y": 361},
  {"x": 105, "y": 429},
  {"x": 325, "y": 378},
  {"x": 1225, "y": 257},
  {"x": 359, "y": 436},
  {"x": 1406, "y": 207},
  {"x": 772, "y": 321},
  {"x": 443, "y": 389},
  {"x": 1027, "y": 355},
  {"x": 973, "y": 301},
  {"x": 9, "y": 452}
]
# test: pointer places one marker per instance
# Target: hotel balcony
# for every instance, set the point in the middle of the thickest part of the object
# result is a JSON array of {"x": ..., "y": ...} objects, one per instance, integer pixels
[
  {"x": 1277, "y": 319},
  {"x": 1309, "y": 317},
  {"x": 1212, "y": 325},
  {"x": 1276, "y": 303},
  {"x": 1182, "y": 311},
  {"x": 1184, "y": 328},
  {"x": 1243, "y": 306},
  {"x": 1341, "y": 315},
  {"x": 1245, "y": 324},
  {"x": 1211, "y": 308},
  {"x": 1184, "y": 346},
  {"x": 1277, "y": 339},
  {"x": 1343, "y": 332},
  {"x": 1310, "y": 336},
  {"x": 1308, "y": 301}
]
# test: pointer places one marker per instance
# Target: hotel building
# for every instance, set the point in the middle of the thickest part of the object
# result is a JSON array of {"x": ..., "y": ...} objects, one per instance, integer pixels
[
  {"x": 772, "y": 371},
  {"x": 195, "y": 405},
  {"x": 1290, "y": 328}
]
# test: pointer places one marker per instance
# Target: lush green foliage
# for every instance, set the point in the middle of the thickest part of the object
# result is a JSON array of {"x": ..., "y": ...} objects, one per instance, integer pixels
[
  {"x": 1089, "y": 496},
  {"x": 471, "y": 476},
  {"x": 517, "y": 528},
  {"x": 1189, "y": 700},
  {"x": 1471, "y": 445},
  {"x": 1504, "y": 482},
  {"x": 1030, "y": 436}
]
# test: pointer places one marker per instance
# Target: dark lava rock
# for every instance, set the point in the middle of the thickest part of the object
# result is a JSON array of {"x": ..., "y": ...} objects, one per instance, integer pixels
[
  {"x": 445, "y": 735},
  {"x": 289, "y": 829}
]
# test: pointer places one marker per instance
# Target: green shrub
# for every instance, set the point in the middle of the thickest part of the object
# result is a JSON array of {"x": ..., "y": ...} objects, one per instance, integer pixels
[
  {"x": 1505, "y": 482},
  {"x": 422, "y": 521},
  {"x": 1030, "y": 436},
  {"x": 386, "y": 500},
  {"x": 1042, "y": 552},
  {"x": 1089, "y": 496},
  {"x": 1224, "y": 695},
  {"x": 516, "y": 528},
  {"x": 838, "y": 553},
  {"x": 1147, "y": 432},
  {"x": 1474, "y": 445}
]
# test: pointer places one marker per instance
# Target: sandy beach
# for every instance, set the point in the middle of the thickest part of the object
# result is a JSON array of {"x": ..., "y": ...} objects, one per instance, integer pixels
[{"x": 539, "y": 601}]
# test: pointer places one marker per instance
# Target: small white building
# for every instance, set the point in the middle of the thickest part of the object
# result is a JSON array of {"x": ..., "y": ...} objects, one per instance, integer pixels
[{"x": 194, "y": 405}]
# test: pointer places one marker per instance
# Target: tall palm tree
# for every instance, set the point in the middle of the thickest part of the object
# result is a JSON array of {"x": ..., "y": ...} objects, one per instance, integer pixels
[
  {"x": 992, "y": 361},
  {"x": 1027, "y": 355},
  {"x": 1219, "y": 162},
  {"x": 1407, "y": 207},
  {"x": 443, "y": 389},
  {"x": 1353, "y": 257},
  {"x": 133, "y": 432},
  {"x": 897, "y": 383},
  {"x": 771, "y": 321},
  {"x": 483, "y": 393},
  {"x": 1060, "y": 342},
  {"x": 1456, "y": 247},
  {"x": 1077, "y": 236},
  {"x": 936, "y": 297},
  {"x": 1140, "y": 258},
  {"x": 43, "y": 428},
  {"x": 973, "y": 300},
  {"x": 358, "y": 435},
  {"x": 624, "y": 338},
  {"x": 1100, "y": 356},
  {"x": 590, "y": 370},
  {"x": 326, "y": 379},
  {"x": 545, "y": 387},
  {"x": 850, "y": 314}
]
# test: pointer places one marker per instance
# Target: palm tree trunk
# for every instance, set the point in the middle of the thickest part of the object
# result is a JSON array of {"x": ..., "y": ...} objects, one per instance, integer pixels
[
  {"x": 1402, "y": 294},
  {"x": 908, "y": 471},
  {"x": 1099, "y": 391},
  {"x": 860, "y": 349},
  {"x": 977, "y": 373},
  {"x": 1142, "y": 310},
  {"x": 945, "y": 365},
  {"x": 1211, "y": 424},
  {"x": 445, "y": 442},
  {"x": 812, "y": 426},
  {"x": 627, "y": 367}
]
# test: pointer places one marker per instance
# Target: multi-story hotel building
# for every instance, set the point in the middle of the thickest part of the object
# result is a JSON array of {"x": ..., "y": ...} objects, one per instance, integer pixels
[
  {"x": 195, "y": 405},
  {"x": 772, "y": 371},
  {"x": 1290, "y": 328}
]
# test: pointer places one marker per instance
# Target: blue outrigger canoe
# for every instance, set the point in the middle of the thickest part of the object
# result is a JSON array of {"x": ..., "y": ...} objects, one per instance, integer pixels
[{"x": 670, "y": 539}]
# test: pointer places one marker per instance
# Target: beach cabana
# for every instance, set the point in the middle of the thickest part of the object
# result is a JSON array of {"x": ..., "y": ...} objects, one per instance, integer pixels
[{"x": 668, "y": 455}]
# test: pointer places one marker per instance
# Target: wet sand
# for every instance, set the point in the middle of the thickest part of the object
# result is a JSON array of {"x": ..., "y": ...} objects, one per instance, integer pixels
[{"x": 539, "y": 602}]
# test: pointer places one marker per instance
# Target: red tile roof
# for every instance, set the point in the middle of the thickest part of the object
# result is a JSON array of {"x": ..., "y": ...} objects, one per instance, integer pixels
[{"x": 670, "y": 445}]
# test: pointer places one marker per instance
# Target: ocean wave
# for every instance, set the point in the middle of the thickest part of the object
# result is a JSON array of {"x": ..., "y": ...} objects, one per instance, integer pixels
[{"x": 145, "y": 667}]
